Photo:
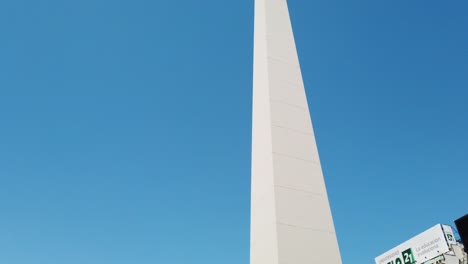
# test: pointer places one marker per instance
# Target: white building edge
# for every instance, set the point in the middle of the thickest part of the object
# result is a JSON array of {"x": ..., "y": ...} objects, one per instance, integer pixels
[{"x": 291, "y": 220}]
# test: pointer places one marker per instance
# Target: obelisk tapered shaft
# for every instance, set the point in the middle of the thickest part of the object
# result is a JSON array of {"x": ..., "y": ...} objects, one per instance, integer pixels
[{"x": 291, "y": 221}]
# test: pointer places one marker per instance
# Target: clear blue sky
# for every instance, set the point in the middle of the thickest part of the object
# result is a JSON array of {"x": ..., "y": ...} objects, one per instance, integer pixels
[{"x": 125, "y": 125}]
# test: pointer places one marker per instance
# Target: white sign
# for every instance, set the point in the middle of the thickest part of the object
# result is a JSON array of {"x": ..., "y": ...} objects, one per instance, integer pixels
[
  {"x": 419, "y": 249},
  {"x": 449, "y": 236}
]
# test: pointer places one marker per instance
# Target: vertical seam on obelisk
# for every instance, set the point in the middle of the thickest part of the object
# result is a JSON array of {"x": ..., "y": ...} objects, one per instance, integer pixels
[{"x": 270, "y": 128}]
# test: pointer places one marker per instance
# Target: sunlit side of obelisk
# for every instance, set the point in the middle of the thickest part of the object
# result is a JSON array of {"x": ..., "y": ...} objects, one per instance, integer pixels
[{"x": 291, "y": 220}]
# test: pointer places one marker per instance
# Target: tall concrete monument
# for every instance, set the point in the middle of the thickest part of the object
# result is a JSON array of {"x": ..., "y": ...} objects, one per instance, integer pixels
[{"x": 291, "y": 221}]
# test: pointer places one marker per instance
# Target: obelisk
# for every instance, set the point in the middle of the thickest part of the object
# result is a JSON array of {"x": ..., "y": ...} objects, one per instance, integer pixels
[{"x": 291, "y": 220}]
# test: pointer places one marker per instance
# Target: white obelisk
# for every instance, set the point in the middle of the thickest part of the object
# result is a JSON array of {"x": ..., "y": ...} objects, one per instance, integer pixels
[{"x": 291, "y": 220}]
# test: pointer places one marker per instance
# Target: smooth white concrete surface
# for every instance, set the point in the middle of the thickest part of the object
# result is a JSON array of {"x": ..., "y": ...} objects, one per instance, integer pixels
[{"x": 291, "y": 220}]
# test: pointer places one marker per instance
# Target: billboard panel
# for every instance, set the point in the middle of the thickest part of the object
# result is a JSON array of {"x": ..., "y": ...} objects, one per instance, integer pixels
[{"x": 419, "y": 249}]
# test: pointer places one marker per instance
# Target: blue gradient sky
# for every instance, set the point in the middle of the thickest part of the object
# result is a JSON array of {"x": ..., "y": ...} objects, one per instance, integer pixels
[{"x": 125, "y": 125}]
